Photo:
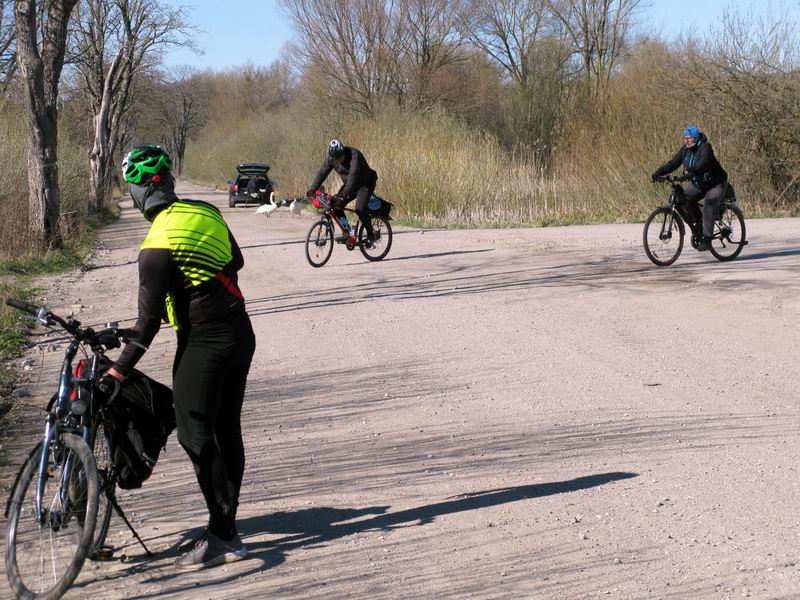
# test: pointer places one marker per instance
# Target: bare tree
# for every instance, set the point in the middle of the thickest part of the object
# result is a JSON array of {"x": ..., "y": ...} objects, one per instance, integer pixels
[
  {"x": 508, "y": 31},
  {"x": 40, "y": 65},
  {"x": 8, "y": 49},
  {"x": 259, "y": 88},
  {"x": 600, "y": 32},
  {"x": 182, "y": 110},
  {"x": 526, "y": 40},
  {"x": 350, "y": 48},
  {"x": 431, "y": 39},
  {"x": 748, "y": 75},
  {"x": 115, "y": 41}
]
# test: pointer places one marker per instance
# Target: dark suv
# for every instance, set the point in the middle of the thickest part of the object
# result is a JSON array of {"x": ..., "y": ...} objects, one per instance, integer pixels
[{"x": 237, "y": 187}]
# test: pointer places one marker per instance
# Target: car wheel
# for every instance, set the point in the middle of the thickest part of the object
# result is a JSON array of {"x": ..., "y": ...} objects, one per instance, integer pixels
[{"x": 231, "y": 202}]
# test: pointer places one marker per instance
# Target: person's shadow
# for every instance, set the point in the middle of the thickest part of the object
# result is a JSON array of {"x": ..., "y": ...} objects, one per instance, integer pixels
[{"x": 313, "y": 526}]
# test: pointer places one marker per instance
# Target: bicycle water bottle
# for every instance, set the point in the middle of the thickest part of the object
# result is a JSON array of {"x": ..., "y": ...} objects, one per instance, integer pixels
[{"x": 346, "y": 225}]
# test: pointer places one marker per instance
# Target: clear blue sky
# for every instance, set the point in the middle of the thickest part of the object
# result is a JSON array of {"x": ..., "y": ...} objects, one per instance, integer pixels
[
  {"x": 241, "y": 31},
  {"x": 235, "y": 32}
]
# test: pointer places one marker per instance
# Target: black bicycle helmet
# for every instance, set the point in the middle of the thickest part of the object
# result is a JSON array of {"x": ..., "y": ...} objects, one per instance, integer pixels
[{"x": 335, "y": 149}]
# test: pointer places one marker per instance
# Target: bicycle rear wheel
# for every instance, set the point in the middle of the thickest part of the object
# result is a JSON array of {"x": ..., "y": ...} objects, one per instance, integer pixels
[
  {"x": 663, "y": 236},
  {"x": 44, "y": 556},
  {"x": 382, "y": 242},
  {"x": 319, "y": 243},
  {"x": 730, "y": 235}
]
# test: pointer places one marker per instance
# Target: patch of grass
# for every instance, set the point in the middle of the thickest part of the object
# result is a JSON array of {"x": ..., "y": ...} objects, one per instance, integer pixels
[
  {"x": 12, "y": 321},
  {"x": 12, "y": 336},
  {"x": 71, "y": 256},
  {"x": 15, "y": 272}
]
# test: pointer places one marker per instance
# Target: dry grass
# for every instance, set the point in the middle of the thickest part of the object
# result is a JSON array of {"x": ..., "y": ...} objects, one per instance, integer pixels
[
  {"x": 15, "y": 243},
  {"x": 438, "y": 170}
]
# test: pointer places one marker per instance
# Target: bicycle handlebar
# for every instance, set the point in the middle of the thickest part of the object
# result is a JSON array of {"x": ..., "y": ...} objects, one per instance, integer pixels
[
  {"x": 673, "y": 178},
  {"x": 23, "y": 306},
  {"x": 108, "y": 337}
]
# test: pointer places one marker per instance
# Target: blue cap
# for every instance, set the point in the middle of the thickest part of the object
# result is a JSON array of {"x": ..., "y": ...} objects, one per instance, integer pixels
[{"x": 692, "y": 131}]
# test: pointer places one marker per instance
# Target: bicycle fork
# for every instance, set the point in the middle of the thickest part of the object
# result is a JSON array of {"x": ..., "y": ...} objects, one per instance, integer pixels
[
  {"x": 49, "y": 434},
  {"x": 666, "y": 226}
]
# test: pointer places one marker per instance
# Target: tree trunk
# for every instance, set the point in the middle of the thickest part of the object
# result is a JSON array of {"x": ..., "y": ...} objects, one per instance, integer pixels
[
  {"x": 101, "y": 156},
  {"x": 44, "y": 196},
  {"x": 41, "y": 71}
]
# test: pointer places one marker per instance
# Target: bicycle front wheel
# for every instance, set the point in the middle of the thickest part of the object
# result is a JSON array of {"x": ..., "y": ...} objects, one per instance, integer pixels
[
  {"x": 663, "y": 236},
  {"x": 319, "y": 243},
  {"x": 382, "y": 239},
  {"x": 730, "y": 235},
  {"x": 45, "y": 553},
  {"x": 107, "y": 482}
]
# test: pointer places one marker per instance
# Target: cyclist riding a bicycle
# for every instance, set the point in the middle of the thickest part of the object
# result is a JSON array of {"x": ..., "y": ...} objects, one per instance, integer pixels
[
  {"x": 706, "y": 178},
  {"x": 188, "y": 267},
  {"x": 359, "y": 184}
]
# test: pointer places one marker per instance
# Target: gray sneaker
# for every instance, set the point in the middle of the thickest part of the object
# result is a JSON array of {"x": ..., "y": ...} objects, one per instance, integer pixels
[{"x": 210, "y": 551}]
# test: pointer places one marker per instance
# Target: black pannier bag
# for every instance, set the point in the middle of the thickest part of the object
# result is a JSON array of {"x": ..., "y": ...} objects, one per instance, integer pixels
[
  {"x": 142, "y": 417},
  {"x": 379, "y": 206}
]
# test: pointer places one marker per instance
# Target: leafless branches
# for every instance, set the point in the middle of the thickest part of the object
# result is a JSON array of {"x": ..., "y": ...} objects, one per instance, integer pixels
[
  {"x": 748, "y": 74},
  {"x": 600, "y": 33},
  {"x": 182, "y": 109},
  {"x": 8, "y": 50},
  {"x": 363, "y": 52},
  {"x": 115, "y": 42}
]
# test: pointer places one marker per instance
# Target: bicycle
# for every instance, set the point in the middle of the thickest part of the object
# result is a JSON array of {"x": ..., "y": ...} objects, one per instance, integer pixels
[
  {"x": 320, "y": 238},
  {"x": 61, "y": 503},
  {"x": 664, "y": 229}
]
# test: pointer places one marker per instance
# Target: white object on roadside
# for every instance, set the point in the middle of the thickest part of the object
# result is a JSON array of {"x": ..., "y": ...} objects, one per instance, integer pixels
[
  {"x": 268, "y": 207},
  {"x": 296, "y": 206}
]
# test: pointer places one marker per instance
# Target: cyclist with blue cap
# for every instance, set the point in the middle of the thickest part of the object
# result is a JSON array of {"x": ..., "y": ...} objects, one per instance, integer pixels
[{"x": 706, "y": 178}]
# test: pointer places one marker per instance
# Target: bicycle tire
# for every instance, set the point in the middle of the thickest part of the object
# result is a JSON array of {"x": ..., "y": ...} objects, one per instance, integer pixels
[
  {"x": 654, "y": 253},
  {"x": 724, "y": 229},
  {"x": 82, "y": 489},
  {"x": 107, "y": 483},
  {"x": 380, "y": 248},
  {"x": 319, "y": 243}
]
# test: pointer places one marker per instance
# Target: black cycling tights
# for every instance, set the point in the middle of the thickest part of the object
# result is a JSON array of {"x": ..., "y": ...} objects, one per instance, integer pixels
[
  {"x": 362, "y": 196},
  {"x": 209, "y": 378}
]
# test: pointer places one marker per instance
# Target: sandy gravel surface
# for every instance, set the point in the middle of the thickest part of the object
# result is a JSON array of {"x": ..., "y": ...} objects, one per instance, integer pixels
[{"x": 485, "y": 414}]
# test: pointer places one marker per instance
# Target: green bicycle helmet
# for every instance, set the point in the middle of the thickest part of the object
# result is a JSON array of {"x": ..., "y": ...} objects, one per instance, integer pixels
[{"x": 143, "y": 161}]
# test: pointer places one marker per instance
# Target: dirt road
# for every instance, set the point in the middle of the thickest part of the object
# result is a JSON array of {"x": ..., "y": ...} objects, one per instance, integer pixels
[{"x": 485, "y": 414}]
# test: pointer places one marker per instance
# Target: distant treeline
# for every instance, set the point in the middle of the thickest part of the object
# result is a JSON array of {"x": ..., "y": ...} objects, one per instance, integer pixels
[{"x": 473, "y": 112}]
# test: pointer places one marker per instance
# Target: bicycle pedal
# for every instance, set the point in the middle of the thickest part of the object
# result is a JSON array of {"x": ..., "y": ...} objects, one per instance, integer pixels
[{"x": 104, "y": 554}]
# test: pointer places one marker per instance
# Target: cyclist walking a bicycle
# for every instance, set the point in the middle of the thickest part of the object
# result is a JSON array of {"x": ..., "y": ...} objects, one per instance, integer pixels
[
  {"x": 706, "y": 179},
  {"x": 188, "y": 267},
  {"x": 359, "y": 184}
]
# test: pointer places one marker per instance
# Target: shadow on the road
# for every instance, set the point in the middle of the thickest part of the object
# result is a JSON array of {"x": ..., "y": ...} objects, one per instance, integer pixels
[
  {"x": 295, "y": 242},
  {"x": 628, "y": 271},
  {"x": 765, "y": 255},
  {"x": 267, "y": 244},
  {"x": 439, "y": 254},
  {"x": 96, "y": 267},
  {"x": 314, "y": 526},
  {"x": 470, "y": 279}
]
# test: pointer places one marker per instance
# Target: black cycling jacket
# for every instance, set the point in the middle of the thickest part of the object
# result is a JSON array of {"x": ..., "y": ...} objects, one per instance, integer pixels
[
  {"x": 699, "y": 162},
  {"x": 354, "y": 171}
]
